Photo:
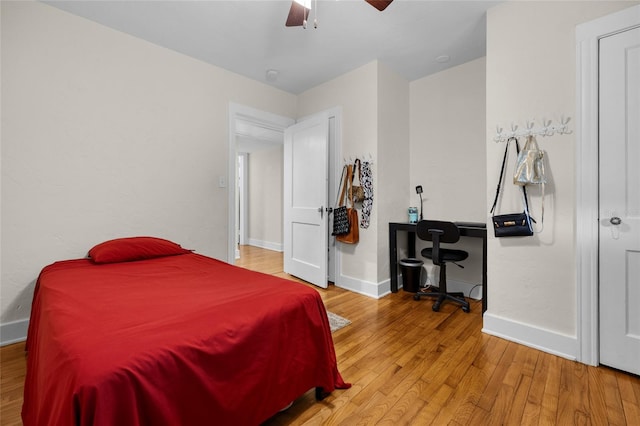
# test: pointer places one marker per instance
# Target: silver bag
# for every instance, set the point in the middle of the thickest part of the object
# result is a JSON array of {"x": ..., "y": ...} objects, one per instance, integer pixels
[
  {"x": 530, "y": 169},
  {"x": 530, "y": 164}
]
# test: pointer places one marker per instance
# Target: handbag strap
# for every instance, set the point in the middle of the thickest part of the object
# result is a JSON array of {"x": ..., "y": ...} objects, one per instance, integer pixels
[
  {"x": 533, "y": 144},
  {"x": 358, "y": 166},
  {"x": 349, "y": 184},
  {"x": 342, "y": 188},
  {"x": 504, "y": 163}
]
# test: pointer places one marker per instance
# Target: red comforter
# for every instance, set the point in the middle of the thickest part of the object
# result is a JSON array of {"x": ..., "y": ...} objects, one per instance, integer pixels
[{"x": 178, "y": 340}]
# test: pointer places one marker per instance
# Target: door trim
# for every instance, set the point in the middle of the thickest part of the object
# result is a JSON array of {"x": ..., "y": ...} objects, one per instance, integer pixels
[
  {"x": 243, "y": 199},
  {"x": 587, "y": 175}
]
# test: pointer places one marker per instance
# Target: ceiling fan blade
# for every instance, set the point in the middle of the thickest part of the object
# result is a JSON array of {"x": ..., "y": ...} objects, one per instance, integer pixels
[
  {"x": 379, "y": 4},
  {"x": 297, "y": 14}
]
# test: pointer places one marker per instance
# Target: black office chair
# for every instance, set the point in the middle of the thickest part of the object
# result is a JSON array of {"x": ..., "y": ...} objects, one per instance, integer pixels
[{"x": 441, "y": 232}]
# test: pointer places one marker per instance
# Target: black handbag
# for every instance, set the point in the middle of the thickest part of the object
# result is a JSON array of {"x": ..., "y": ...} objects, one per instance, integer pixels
[
  {"x": 340, "y": 216},
  {"x": 340, "y": 221},
  {"x": 512, "y": 224}
]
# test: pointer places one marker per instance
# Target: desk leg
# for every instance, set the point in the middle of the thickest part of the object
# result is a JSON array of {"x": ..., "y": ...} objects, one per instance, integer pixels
[
  {"x": 411, "y": 244},
  {"x": 484, "y": 274},
  {"x": 393, "y": 259}
]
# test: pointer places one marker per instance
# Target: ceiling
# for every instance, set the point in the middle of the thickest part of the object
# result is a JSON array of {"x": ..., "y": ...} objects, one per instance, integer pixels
[{"x": 250, "y": 38}]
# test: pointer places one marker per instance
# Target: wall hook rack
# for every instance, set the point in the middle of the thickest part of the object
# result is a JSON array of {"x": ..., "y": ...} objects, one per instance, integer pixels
[
  {"x": 547, "y": 129},
  {"x": 366, "y": 157}
]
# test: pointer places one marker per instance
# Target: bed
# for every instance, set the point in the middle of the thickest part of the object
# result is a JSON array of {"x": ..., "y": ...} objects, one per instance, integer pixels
[{"x": 143, "y": 334}]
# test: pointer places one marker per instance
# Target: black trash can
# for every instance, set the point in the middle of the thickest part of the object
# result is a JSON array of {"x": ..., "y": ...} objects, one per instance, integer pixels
[{"x": 411, "y": 271}]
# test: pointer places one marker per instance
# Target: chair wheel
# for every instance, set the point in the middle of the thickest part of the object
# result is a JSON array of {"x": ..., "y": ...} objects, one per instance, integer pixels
[
  {"x": 466, "y": 309},
  {"x": 416, "y": 297},
  {"x": 435, "y": 307}
]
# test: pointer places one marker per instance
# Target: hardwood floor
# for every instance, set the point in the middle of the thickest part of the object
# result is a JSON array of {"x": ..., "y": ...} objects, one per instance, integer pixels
[
  {"x": 12, "y": 373},
  {"x": 412, "y": 366}
]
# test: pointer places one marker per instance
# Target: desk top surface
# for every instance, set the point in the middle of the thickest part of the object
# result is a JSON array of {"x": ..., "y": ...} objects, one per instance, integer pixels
[
  {"x": 471, "y": 224},
  {"x": 479, "y": 225}
]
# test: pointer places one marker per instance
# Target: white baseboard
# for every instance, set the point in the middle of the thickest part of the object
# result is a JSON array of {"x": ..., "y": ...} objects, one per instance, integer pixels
[
  {"x": 528, "y": 335},
  {"x": 13, "y": 332},
  {"x": 265, "y": 244},
  {"x": 366, "y": 288}
]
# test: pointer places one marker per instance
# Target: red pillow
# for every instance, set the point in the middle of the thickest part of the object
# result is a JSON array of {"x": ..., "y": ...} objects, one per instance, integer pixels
[{"x": 134, "y": 248}]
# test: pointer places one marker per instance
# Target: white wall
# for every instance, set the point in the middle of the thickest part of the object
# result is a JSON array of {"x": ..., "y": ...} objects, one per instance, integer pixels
[
  {"x": 356, "y": 92},
  {"x": 448, "y": 156},
  {"x": 531, "y": 56},
  {"x": 105, "y": 135},
  {"x": 393, "y": 165},
  {"x": 448, "y": 119},
  {"x": 266, "y": 198}
]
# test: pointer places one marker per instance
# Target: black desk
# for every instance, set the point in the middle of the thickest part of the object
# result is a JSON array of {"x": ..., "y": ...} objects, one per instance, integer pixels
[{"x": 467, "y": 229}]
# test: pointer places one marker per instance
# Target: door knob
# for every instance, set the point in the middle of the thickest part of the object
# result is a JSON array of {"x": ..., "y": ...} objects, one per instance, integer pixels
[
  {"x": 321, "y": 211},
  {"x": 615, "y": 220}
]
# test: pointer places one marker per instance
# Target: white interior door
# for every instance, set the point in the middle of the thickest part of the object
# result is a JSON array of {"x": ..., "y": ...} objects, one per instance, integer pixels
[
  {"x": 619, "y": 143},
  {"x": 305, "y": 200}
]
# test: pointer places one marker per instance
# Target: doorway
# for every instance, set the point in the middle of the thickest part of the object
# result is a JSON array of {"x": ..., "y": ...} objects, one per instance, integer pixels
[
  {"x": 250, "y": 131},
  {"x": 239, "y": 116},
  {"x": 259, "y": 221},
  {"x": 588, "y": 220}
]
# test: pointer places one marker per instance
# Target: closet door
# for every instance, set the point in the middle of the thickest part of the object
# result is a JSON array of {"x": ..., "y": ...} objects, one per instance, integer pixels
[{"x": 619, "y": 145}]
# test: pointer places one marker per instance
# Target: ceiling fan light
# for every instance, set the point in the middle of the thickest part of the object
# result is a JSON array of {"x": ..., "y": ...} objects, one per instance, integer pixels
[
  {"x": 304, "y": 3},
  {"x": 298, "y": 14}
]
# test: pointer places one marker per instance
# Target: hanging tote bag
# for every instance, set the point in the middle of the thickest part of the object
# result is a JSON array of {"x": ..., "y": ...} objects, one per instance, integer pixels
[
  {"x": 511, "y": 224},
  {"x": 530, "y": 164},
  {"x": 353, "y": 236},
  {"x": 530, "y": 169},
  {"x": 340, "y": 218}
]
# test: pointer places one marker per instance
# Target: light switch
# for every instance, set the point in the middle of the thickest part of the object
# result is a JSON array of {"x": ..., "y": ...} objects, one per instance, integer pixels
[{"x": 222, "y": 181}]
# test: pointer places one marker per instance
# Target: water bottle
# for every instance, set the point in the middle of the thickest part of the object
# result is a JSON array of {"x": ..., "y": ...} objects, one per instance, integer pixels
[{"x": 413, "y": 215}]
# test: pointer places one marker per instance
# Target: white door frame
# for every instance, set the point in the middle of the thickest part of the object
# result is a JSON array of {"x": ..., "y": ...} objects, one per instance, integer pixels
[
  {"x": 243, "y": 198},
  {"x": 587, "y": 177}
]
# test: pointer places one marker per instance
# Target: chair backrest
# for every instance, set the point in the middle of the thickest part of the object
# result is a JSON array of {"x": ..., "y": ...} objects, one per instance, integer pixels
[{"x": 451, "y": 233}]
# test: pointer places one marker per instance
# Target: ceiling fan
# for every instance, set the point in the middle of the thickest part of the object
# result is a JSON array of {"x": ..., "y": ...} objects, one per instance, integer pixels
[{"x": 299, "y": 12}]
